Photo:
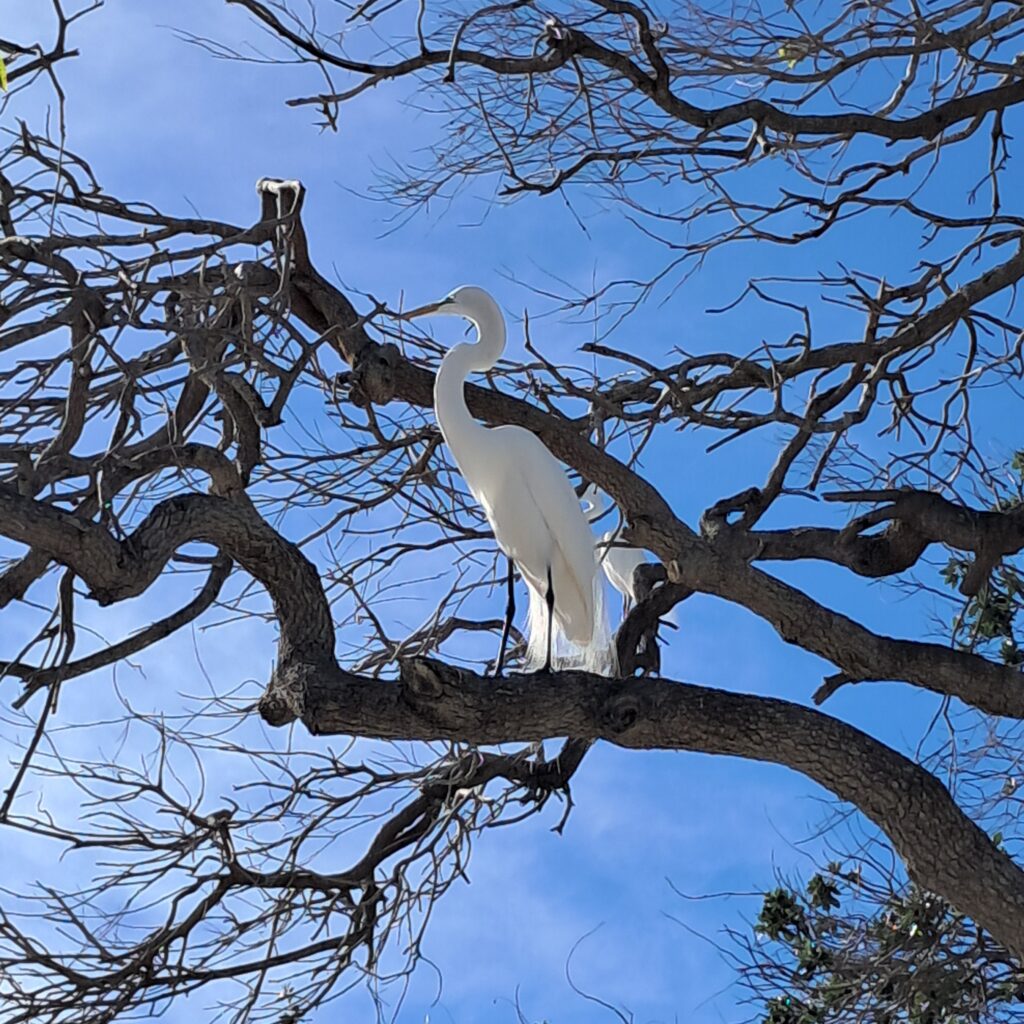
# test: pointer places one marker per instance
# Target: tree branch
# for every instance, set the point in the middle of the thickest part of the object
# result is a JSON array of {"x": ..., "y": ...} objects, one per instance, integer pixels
[
  {"x": 115, "y": 570},
  {"x": 944, "y": 850}
]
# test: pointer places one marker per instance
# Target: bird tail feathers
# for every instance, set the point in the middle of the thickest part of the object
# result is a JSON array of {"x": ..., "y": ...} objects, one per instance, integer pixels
[
  {"x": 598, "y": 656},
  {"x": 537, "y": 634}
]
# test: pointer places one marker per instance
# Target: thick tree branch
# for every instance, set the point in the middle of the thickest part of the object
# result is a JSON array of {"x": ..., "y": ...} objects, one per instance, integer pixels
[
  {"x": 892, "y": 551},
  {"x": 862, "y": 655},
  {"x": 944, "y": 851},
  {"x": 915, "y": 519},
  {"x": 990, "y": 535},
  {"x": 115, "y": 570}
]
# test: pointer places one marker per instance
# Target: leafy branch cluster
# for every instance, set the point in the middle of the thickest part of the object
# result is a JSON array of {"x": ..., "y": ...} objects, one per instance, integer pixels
[
  {"x": 987, "y": 618},
  {"x": 844, "y": 949}
]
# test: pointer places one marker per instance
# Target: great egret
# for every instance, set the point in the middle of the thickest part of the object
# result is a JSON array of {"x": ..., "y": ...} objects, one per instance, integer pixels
[
  {"x": 526, "y": 496},
  {"x": 618, "y": 562}
]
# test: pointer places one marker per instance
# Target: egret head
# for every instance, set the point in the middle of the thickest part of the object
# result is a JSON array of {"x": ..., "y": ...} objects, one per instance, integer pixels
[{"x": 467, "y": 301}]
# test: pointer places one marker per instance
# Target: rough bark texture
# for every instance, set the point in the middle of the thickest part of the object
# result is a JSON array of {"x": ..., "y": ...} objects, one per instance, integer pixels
[{"x": 944, "y": 851}]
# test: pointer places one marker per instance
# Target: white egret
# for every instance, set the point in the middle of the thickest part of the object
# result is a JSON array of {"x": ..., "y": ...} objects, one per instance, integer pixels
[
  {"x": 618, "y": 561},
  {"x": 526, "y": 496}
]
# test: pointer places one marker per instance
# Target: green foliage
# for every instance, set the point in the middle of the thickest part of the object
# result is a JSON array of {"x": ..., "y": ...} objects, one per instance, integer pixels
[
  {"x": 839, "y": 951},
  {"x": 824, "y": 894},
  {"x": 989, "y": 617},
  {"x": 787, "y": 1010},
  {"x": 781, "y": 915}
]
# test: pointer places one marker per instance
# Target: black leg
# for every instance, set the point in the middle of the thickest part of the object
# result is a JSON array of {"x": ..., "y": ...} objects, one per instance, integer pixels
[
  {"x": 549, "y": 600},
  {"x": 510, "y": 611}
]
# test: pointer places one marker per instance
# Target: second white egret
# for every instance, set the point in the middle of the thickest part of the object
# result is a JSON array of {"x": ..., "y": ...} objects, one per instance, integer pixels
[{"x": 618, "y": 561}]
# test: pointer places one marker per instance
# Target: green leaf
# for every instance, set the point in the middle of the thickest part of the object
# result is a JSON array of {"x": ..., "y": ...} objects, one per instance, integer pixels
[
  {"x": 823, "y": 893},
  {"x": 3, "y": 75},
  {"x": 781, "y": 916}
]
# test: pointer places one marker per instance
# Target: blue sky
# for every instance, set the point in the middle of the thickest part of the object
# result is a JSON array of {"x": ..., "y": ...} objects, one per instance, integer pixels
[{"x": 162, "y": 121}]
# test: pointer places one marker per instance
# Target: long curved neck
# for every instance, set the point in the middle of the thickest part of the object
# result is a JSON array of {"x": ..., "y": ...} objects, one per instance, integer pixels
[{"x": 457, "y": 425}]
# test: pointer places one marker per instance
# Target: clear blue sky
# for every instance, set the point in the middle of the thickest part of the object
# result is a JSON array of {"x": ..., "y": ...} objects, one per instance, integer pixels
[{"x": 161, "y": 121}]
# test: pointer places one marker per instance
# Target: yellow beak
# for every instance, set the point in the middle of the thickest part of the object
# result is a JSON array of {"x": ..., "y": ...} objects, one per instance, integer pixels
[{"x": 432, "y": 307}]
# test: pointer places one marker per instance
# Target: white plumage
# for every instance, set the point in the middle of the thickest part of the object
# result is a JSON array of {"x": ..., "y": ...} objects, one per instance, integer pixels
[
  {"x": 526, "y": 496},
  {"x": 618, "y": 561}
]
